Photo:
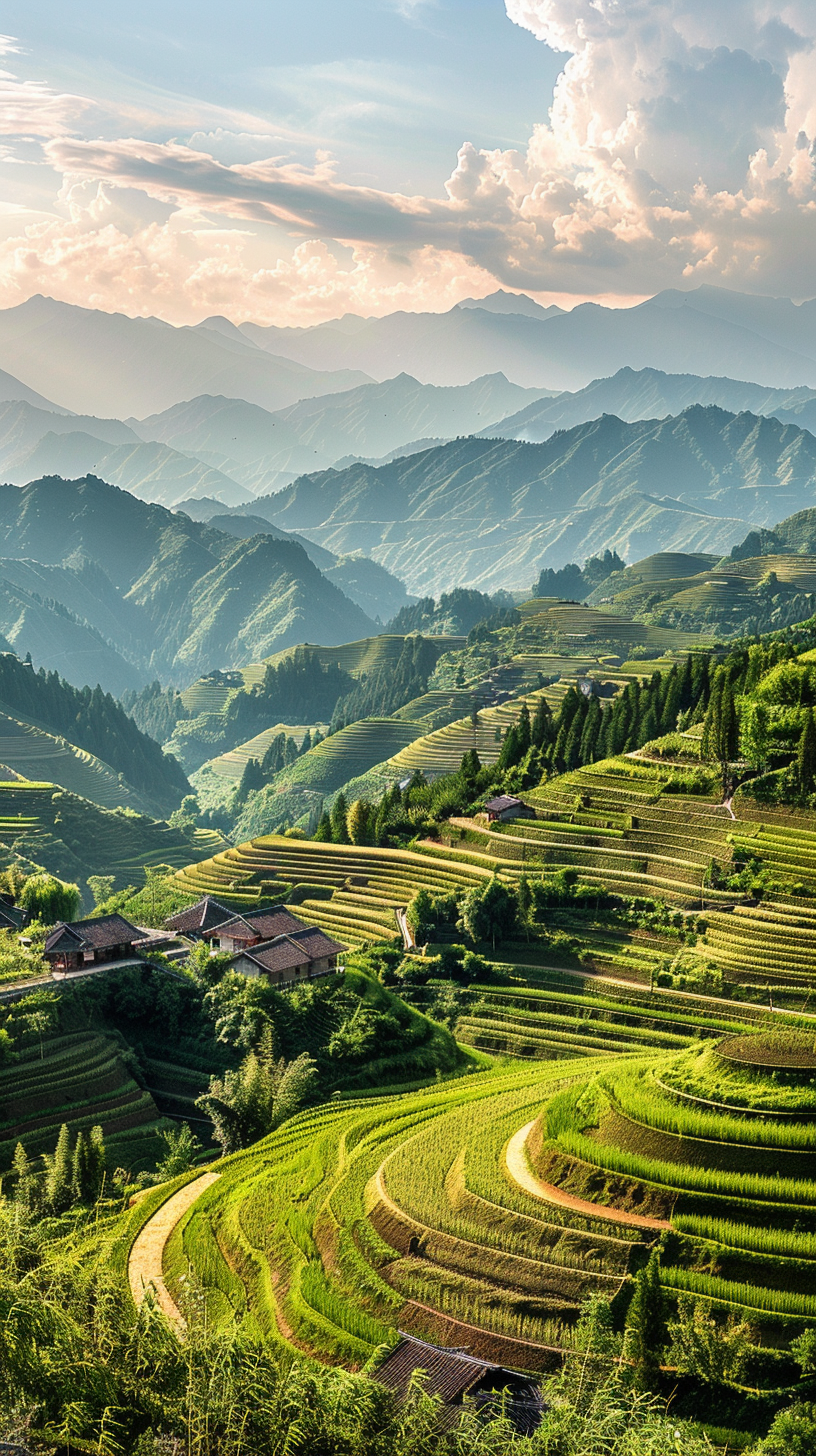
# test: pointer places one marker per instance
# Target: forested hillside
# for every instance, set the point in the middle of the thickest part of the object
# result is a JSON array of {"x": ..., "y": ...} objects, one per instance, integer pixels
[
  {"x": 174, "y": 596},
  {"x": 95, "y": 721}
]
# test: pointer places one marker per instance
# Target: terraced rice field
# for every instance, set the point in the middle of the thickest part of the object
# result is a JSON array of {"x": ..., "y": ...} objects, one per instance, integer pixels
[
  {"x": 73, "y": 837},
  {"x": 422, "y": 1213},
  {"x": 36, "y": 754},
  {"x": 348, "y": 754},
  {"x": 81, "y": 1080},
  {"x": 368, "y": 885},
  {"x": 736, "y": 1178},
  {"x": 367, "y": 654},
  {"x": 556, "y": 1016},
  {"x": 230, "y": 766},
  {"x": 581, "y": 625},
  {"x": 357, "y": 1219}
]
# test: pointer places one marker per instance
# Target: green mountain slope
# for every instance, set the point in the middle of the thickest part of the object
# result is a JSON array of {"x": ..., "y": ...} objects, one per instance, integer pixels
[
  {"x": 491, "y": 512},
  {"x": 188, "y": 598}
]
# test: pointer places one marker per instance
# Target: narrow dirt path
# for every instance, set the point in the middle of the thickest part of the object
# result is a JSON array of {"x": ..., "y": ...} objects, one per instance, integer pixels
[
  {"x": 516, "y": 1164},
  {"x": 145, "y": 1261},
  {"x": 407, "y": 937}
]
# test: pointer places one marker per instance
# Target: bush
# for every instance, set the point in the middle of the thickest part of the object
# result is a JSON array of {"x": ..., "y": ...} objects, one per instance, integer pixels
[{"x": 47, "y": 899}]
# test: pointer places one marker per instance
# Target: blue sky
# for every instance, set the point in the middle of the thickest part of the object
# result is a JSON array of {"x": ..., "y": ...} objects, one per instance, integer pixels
[
  {"x": 392, "y": 89},
  {"x": 292, "y": 163}
]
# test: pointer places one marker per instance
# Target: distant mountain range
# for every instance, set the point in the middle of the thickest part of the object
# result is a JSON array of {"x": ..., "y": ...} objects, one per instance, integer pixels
[
  {"x": 255, "y": 447},
  {"x": 109, "y": 364},
  {"x": 491, "y": 513},
  {"x": 106, "y": 588},
  {"x": 707, "y": 331}
]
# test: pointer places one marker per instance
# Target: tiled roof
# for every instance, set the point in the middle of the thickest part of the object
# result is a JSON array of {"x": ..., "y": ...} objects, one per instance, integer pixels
[
  {"x": 285, "y": 951},
  {"x": 261, "y": 924},
  {"x": 504, "y": 801},
  {"x": 448, "y": 1373},
  {"x": 278, "y": 955},
  {"x": 98, "y": 934},
  {"x": 203, "y": 915}
]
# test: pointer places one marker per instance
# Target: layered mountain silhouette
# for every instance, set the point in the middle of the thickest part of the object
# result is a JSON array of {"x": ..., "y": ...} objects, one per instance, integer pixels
[
  {"x": 109, "y": 364},
  {"x": 705, "y": 331},
  {"x": 108, "y": 588},
  {"x": 490, "y": 513}
]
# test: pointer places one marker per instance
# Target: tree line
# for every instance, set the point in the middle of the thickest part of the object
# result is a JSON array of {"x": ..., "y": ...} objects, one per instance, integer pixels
[{"x": 93, "y": 720}]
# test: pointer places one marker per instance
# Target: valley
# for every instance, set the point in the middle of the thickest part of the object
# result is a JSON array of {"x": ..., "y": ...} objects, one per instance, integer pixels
[{"x": 408, "y": 866}]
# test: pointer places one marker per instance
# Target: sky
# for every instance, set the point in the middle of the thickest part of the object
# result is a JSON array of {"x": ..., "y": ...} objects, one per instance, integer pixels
[{"x": 289, "y": 164}]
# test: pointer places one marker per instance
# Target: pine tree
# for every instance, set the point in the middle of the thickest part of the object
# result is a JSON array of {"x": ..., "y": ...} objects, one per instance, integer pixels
[
  {"x": 357, "y": 822},
  {"x": 806, "y": 755},
  {"x": 60, "y": 1171},
  {"x": 80, "y": 1171},
  {"x": 572, "y": 744},
  {"x": 339, "y": 810},
  {"x": 720, "y": 740},
  {"x": 591, "y": 732},
  {"x": 524, "y": 730},
  {"x": 645, "y": 1331},
  {"x": 670, "y": 703},
  {"x": 97, "y": 1162},
  {"x": 323, "y": 832},
  {"x": 23, "y": 1177},
  {"x": 541, "y": 727},
  {"x": 510, "y": 749}
]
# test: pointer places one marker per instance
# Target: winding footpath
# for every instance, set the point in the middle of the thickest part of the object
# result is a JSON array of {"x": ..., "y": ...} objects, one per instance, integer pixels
[
  {"x": 147, "y": 1253},
  {"x": 515, "y": 1161}
]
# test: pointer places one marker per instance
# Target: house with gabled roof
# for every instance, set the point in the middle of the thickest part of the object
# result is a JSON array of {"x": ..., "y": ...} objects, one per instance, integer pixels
[
  {"x": 252, "y": 927},
  {"x": 196, "y": 920},
  {"x": 71, "y": 947},
  {"x": 459, "y": 1379},
  {"x": 301, "y": 955}
]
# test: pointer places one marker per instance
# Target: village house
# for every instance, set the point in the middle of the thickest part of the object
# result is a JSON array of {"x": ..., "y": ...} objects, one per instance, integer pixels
[
  {"x": 504, "y": 807},
  {"x": 251, "y": 927},
  {"x": 458, "y": 1378},
  {"x": 91, "y": 942},
  {"x": 301, "y": 956},
  {"x": 196, "y": 920}
]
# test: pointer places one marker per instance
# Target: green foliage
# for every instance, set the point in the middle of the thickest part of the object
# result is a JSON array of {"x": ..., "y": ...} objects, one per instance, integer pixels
[
  {"x": 181, "y": 1148},
  {"x": 93, "y": 720},
  {"x": 45, "y": 898},
  {"x": 645, "y": 1333},
  {"x": 252, "y": 1101},
  {"x": 101, "y": 887},
  {"x": 490, "y": 913},
  {"x": 792, "y": 1433}
]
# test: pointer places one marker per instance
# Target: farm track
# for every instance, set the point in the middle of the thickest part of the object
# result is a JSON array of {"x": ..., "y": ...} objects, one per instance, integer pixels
[
  {"x": 515, "y": 1161},
  {"x": 147, "y": 1254}
]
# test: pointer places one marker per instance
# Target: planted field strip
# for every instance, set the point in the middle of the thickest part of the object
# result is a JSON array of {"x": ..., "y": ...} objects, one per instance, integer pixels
[
  {"x": 355, "y": 1219},
  {"x": 42, "y": 756},
  {"x": 72, "y": 835},
  {"x": 366, "y": 655},
  {"x": 231, "y": 765},
  {"x": 368, "y": 884},
  {"x": 348, "y": 754},
  {"x": 80, "y": 1080}
]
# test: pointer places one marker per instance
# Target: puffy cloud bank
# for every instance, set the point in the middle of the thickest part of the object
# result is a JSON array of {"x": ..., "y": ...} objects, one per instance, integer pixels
[{"x": 679, "y": 148}]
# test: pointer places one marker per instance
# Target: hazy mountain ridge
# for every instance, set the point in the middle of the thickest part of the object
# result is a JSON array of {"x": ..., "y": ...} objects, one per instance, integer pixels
[
  {"x": 189, "y": 597},
  {"x": 492, "y": 512},
  {"x": 66, "y": 353},
  {"x": 707, "y": 331},
  {"x": 651, "y": 394}
]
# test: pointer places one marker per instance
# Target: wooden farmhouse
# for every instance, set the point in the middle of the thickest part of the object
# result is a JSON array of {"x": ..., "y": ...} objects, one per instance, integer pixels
[
  {"x": 504, "y": 807},
  {"x": 458, "y": 1378},
  {"x": 91, "y": 942}
]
